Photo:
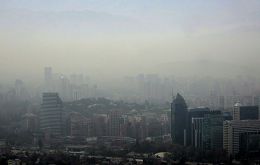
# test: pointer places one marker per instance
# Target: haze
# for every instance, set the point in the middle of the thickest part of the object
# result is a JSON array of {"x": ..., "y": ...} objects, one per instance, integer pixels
[{"x": 109, "y": 39}]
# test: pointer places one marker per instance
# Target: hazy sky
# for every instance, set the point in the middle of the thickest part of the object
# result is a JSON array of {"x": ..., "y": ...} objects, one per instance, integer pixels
[{"x": 120, "y": 37}]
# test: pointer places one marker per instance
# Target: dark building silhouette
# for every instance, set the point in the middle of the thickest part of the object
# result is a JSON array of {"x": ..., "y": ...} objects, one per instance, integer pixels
[
  {"x": 195, "y": 125},
  {"x": 245, "y": 112},
  {"x": 212, "y": 135},
  {"x": 227, "y": 116},
  {"x": 178, "y": 120}
]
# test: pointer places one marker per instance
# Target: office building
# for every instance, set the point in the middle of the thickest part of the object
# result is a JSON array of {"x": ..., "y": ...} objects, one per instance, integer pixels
[
  {"x": 114, "y": 123},
  {"x": 51, "y": 114},
  {"x": 212, "y": 131},
  {"x": 196, "y": 133},
  {"x": 241, "y": 136},
  {"x": 245, "y": 112},
  {"x": 195, "y": 125},
  {"x": 178, "y": 120}
]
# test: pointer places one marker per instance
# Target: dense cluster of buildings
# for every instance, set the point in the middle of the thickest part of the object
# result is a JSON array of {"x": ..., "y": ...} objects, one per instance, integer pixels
[
  {"x": 202, "y": 128},
  {"x": 223, "y": 123},
  {"x": 211, "y": 130},
  {"x": 55, "y": 123}
]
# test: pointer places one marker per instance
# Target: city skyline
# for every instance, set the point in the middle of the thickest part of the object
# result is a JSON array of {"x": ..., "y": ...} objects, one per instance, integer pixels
[
  {"x": 129, "y": 82},
  {"x": 142, "y": 37}
]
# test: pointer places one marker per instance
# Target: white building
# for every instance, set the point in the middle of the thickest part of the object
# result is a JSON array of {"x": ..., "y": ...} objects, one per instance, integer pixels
[{"x": 238, "y": 134}]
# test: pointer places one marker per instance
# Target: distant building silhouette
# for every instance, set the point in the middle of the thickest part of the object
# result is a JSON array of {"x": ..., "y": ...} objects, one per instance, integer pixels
[{"x": 178, "y": 120}]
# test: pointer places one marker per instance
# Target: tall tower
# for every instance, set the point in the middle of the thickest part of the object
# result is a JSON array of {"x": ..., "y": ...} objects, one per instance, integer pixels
[
  {"x": 51, "y": 114},
  {"x": 178, "y": 120}
]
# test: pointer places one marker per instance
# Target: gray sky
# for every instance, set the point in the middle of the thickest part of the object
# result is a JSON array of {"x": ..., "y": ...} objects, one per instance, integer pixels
[{"x": 120, "y": 37}]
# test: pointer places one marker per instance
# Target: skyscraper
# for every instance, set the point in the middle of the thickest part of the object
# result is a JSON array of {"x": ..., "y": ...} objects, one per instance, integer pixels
[
  {"x": 195, "y": 125},
  {"x": 178, "y": 120},
  {"x": 212, "y": 131},
  {"x": 51, "y": 114}
]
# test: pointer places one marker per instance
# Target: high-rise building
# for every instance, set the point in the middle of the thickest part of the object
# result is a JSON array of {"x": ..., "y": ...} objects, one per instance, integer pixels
[
  {"x": 51, "y": 114},
  {"x": 195, "y": 125},
  {"x": 114, "y": 123},
  {"x": 241, "y": 136},
  {"x": 212, "y": 131},
  {"x": 178, "y": 120},
  {"x": 245, "y": 112},
  {"x": 197, "y": 129}
]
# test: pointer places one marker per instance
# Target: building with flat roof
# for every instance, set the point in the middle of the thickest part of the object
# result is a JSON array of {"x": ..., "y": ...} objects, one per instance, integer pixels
[
  {"x": 245, "y": 112},
  {"x": 114, "y": 123},
  {"x": 195, "y": 125},
  {"x": 51, "y": 114},
  {"x": 212, "y": 131},
  {"x": 241, "y": 136}
]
